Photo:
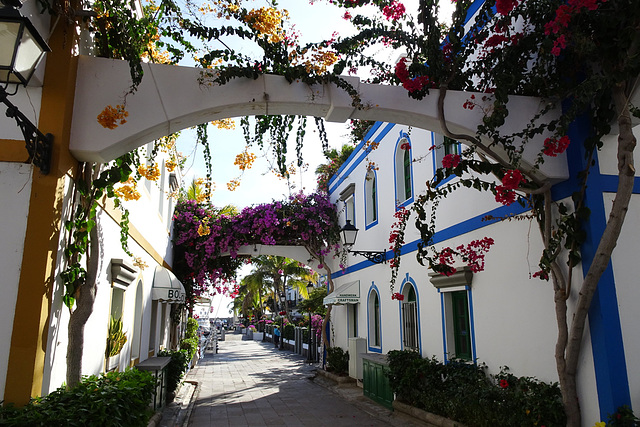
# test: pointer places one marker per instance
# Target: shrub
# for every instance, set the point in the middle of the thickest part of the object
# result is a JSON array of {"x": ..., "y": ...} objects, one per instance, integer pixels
[
  {"x": 463, "y": 392},
  {"x": 113, "y": 399},
  {"x": 338, "y": 360},
  {"x": 192, "y": 328},
  {"x": 176, "y": 368},
  {"x": 190, "y": 345},
  {"x": 289, "y": 331}
]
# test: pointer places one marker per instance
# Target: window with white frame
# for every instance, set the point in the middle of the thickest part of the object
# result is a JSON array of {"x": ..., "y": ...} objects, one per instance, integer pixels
[
  {"x": 444, "y": 146},
  {"x": 456, "y": 305},
  {"x": 375, "y": 333},
  {"x": 409, "y": 307},
  {"x": 403, "y": 171},
  {"x": 348, "y": 198},
  {"x": 371, "y": 198}
]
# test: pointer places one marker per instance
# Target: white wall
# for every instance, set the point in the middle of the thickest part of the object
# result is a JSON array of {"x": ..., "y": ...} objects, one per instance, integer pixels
[
  {"x": 513, "y": 315},
  {"x": 15, "y": 187}
]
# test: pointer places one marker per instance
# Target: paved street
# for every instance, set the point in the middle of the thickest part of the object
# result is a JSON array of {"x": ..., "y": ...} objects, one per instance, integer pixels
[{"x": 250, "y": 383}]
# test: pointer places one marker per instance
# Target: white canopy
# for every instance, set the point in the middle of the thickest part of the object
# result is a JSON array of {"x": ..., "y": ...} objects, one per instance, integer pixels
[
  {"x": 349, "y": 293},
  {"x": 167, "y": 287}
]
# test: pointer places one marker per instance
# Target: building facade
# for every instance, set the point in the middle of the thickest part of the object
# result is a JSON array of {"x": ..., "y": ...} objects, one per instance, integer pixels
[
  {"x": 500, "y": 316},
  {"x": 35, "y": 207}
]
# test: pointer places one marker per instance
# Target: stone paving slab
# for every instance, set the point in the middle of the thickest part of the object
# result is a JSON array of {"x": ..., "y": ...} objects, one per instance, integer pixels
[{"x": 252, "y": 383}]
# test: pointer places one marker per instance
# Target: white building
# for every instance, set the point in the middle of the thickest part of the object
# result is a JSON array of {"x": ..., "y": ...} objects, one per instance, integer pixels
[
  {"x": 500, "y": 316},
  {"x": 34, "y": 208}
]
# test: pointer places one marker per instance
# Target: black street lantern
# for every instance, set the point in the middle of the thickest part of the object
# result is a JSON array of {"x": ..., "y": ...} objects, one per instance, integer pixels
[
  {"x": 348, "y": 234},
  {"x": 21, "y": 49}
]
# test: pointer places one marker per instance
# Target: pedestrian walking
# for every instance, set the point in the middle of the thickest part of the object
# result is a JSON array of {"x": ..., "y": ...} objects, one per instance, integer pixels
[{"x": 276, "y": 335}]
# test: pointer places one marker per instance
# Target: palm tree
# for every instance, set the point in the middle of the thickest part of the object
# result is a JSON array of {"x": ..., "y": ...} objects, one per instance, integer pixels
[{"x": 275, "y": 273}]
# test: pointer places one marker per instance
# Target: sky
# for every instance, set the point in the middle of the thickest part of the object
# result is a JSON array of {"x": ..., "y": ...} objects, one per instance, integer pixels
[{"x": 314, "y": 22}]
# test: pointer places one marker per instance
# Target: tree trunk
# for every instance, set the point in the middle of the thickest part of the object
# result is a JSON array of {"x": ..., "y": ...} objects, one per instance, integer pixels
[
  {"x": 567, "y": 360},
  {"x": 85, "y": 298}
]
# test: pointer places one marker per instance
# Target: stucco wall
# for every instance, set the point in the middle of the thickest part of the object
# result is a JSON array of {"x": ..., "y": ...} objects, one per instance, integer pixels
[
  {"x": 513, "y": 315},
  {"x": 15, "y": 187}
]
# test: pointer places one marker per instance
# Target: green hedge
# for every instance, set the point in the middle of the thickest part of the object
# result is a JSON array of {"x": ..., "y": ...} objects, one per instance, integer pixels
[
  {"x": 112, "y": 400},
  {"x": 289, "y": 332},
  {"x": 463, "y": 392}
]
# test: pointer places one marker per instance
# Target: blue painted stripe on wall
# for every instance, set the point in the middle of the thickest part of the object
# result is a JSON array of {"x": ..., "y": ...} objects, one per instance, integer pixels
[
  {"x": 371, "y": 131},
  {"x": 605, "y": 328},
  {"x": 343, "y": 175}
]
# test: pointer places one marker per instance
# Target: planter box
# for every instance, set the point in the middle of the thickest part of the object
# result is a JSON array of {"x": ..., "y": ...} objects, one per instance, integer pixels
[
  {"x": 338, "y": 379},
  {"x": 257, "y": 336}
]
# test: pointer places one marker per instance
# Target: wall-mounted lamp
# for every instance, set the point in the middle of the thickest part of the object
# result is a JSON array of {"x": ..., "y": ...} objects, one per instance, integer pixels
[
  {"x": 348, "y": 234},
  {"x": 21, "y": 49}
]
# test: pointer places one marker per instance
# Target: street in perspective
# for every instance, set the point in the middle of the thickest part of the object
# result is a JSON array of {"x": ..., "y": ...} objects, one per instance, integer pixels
[{"x": 253, "y": 383}]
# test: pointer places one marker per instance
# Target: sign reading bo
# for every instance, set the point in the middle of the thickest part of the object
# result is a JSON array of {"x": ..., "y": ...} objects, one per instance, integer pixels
[{"x": 167, "y": 287}]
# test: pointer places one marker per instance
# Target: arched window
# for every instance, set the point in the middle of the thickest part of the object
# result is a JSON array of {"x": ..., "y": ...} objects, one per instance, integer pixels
[
  {"x": 403, "y": 171},
  {"x": 137, "y": 324},
  {"x": 375, "y": 333},
  {"x": 409, "y": 308},
  {"x": 371, "y": 199}
]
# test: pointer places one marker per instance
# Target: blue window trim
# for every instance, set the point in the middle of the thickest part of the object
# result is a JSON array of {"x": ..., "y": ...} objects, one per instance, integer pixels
[
  {"x": 372, "y": 289},
  {"x": 367, "y": 224},
  {"x": 472, "y": 326},
  {"x": 396, "y": 174},
  {"x": 408, "y": 280},
  {"x": 433, "y": 160}
]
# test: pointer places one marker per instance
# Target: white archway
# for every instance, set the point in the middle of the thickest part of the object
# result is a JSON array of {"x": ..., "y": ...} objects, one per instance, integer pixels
[{"x": 170, "y": 98}]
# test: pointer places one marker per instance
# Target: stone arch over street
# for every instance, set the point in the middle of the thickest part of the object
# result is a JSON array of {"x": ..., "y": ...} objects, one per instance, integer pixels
[{"x": 171, "y": 98}]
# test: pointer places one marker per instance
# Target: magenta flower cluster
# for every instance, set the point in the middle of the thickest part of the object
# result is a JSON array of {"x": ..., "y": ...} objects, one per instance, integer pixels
[{"x": 210, "y": 242}]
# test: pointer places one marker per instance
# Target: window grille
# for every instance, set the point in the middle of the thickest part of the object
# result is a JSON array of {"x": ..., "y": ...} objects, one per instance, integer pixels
[{"x": 410, "y": 325}]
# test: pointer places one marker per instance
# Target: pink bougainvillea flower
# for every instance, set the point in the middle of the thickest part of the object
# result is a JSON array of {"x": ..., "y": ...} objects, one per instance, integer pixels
[
  {"x": 405, "y": 146},
  {"x": 504, "y": 383},
  {"x": 512, "y": 179},
  {"x": 504, "y": 195},
  {"x": 553, "y": 147},
  {"x": 541, "y": 274},
  {"x": 504, "y": 7},
  {"x": 394, "y": 11},
  {"x": 450, "y": 161},
  {"x": 397, "y": 296}
]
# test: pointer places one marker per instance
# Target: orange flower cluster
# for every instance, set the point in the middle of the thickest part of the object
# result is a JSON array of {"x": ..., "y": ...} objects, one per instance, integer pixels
[
  {"x": 245, "y": 160},
  {"x": 203, "y": 229},
  {"x": 227, "y": 124},
  {"x": 233, "y": 184},
  {"x": 138, "y": 262},
  {"x": 171, "y": 165},
  {"x": 267, "y": 21},
  {"x": 128, "y": 190},
  {"x": 154, "y": 55},
  {"x": 152, "y": 173},
  {"x": 112, "y": 117},
  {"x": 320, "y": 60}
]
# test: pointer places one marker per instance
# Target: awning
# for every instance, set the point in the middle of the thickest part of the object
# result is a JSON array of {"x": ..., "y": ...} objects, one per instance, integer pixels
[
  {"x": 167, "y": 287},
  {"x": 349, "y": 293}
]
